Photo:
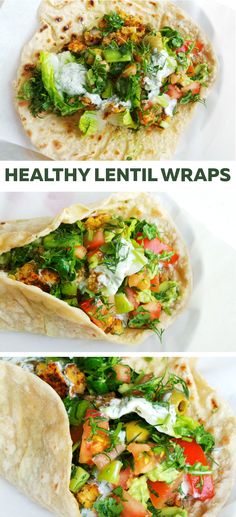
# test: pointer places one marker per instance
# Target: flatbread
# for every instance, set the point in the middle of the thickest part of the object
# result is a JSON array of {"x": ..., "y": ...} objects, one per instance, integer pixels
[
  {"x": 28, "y": 308},
  {"x": 59, "y": 137},
  {"x": 35, "y": 443}
]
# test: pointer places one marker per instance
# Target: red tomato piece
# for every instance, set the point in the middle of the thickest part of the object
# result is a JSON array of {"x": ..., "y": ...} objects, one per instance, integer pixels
[
  {"x": 91, "y": 310},
  {"x": 199, "y": 46},
  {"x": 125, "y": 476},
  {"x": 132, "y": 297},
  {"x": 157, "y": 247},
  {"x": 191, "y": 70},
  {"x": 97, "y": 240},
  {"x": 154, "y": 308},
  {"x": 123, "y": 373},
  {"x": 173, "y": 91},
  {"x": 201, "y": 487},
  {"x": 161, "y": 492},
  {"x": 131, "y": 507},
  {"x": 194, "y": 87},
  {"x": 93, "y": 444},
  {"x": 80, "y": 252},
  {"x": 144, "y": 458},
  {"x": 155, "y": 284},
  {"x": 184, "y": 48}
]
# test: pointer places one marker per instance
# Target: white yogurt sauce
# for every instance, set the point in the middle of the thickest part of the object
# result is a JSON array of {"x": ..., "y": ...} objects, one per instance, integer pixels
[
  {"x": 160, "y": 417},
  {"x": 130, "y": 262},
  {"x": 167, "y": 64}
]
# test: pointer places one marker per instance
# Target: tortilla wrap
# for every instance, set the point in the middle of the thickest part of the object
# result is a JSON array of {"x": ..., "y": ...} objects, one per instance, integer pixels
[
  {"x": 35, "y": 442},
  {"x": 28, "y": 308},
  {"x": 59, "y": 137}
]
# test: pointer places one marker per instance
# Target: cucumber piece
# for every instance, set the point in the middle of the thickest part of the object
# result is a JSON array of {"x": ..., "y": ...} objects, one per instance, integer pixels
[
  {"x": 78, "y": 480},
  {"x": 113, "y": 55},
  {"x": 69, "y": 289}
]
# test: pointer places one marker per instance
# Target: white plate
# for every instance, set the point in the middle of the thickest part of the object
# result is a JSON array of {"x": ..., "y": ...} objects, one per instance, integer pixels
[
  {"x": 207, "y": 324},
  {"x": 218, "y": 372},
  {"x": 203, "y": 139}
]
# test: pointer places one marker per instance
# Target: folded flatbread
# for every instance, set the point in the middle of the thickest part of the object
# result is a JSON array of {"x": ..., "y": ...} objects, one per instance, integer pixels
[
  {"x": 60, "y": 137},
  {"x": 36, "y": 447},
  {"x": 28, "y": 308}
]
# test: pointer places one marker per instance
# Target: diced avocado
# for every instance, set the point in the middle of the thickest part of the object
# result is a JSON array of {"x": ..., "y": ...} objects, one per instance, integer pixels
[
  {"x": 163, "y": 473},
  {"x": 162, "y": 101},
  {"x": 135, "y": 432},
  {"x": 113, "y": 55},
  {"x": 109, "y": 235},
  {"x": 164, "y": 124},
  {"x": 78, "y": 479},
  {"x": 72, "y": 301},
  {"x": 5, "y": 259},
  {"x": 69, "y": 289},
  {"x": 122, "y": 304},
  {"x": 123, "y": 119},
  {"x": 173, "y": 511},
  {"x": 89, "y": 123},
  {"x": 137, "y": 96},
  {"x": 108, "y": 92},
  {"x": 139, "y": 490},
  {"x": 145, "y": 296},
  {"x": 90, "y": 77},
  {"x": 93, "y": 261}
]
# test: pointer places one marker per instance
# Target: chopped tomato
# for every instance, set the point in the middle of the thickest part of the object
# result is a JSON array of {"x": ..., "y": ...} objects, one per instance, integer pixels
[
  {"x": 123, "y": 373},
  {"x": 132, "y": 297},
  {"x": 194, "y": 87},
  {"x": 125, "y": 476},
  {"x": 158, "y": 247},
  {"x": 161, "y": 492},
  {"x": 154, "y": 245},
  {"x": 154, "y": 309},
  {"x": 97, "y": 312},
  {"x": 173, "y": 259},
  {"x": 147, "y": 105},
  {"x": 144, "y": 458},
  {"x": 155, "y": 284},
  {"x": 199, "y": 46},
  {"x": 184, "y": 48},
  {"x": 173, "y": 91},
  {"x": 80, "y": 252},
  {"x": 201, "y": 488},
  {"x": 97, "y": 240},
  {"x": 131, "y": 507},
  {"x": 191, "y": 70},
  {"x": 96, "y": 443}
]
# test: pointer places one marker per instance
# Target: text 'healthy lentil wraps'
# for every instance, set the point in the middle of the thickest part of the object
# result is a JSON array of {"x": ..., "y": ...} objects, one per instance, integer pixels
[
  {"x": 117, "y": 271},
  {"x": 122, "y": 84},
  {"x": 105, "y": 437}
]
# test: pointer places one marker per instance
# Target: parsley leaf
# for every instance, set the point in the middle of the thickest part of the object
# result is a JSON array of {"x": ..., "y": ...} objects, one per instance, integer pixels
[
  {"x": 114, "y": 22},
  {"x": 108, "y": 507}
]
